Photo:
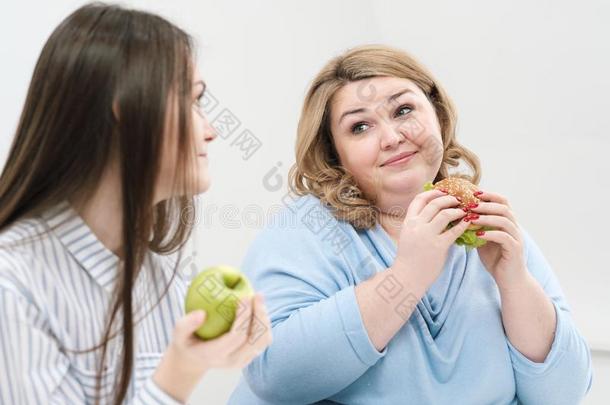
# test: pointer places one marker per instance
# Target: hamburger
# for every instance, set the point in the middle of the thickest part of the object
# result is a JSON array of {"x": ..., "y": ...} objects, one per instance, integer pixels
[{"x": 464, "y": 191}]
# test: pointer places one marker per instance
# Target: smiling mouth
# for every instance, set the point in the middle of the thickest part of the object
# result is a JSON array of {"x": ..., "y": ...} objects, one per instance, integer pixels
[{"x": 402, "y": 159}]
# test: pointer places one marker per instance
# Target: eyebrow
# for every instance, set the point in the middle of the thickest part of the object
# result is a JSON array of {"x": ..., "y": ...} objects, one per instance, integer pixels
[{"x": 388, "y": 100}]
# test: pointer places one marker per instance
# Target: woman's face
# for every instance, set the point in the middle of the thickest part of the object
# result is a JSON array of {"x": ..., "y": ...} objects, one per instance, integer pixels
[
  {"x": 203, "y": 134},
  {"x": 376, "y": 120}
]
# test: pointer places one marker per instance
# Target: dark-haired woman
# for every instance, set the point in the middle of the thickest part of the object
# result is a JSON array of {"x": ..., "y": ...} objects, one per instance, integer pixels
[{"x": 110, "y": 148}]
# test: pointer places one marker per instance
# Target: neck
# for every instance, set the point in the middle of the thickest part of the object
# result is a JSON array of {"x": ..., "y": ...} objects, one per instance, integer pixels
[
  {"x": 102, "y": 212},
  {"x": 393, "y": 207},
  {"x": 392, "y": 224}
]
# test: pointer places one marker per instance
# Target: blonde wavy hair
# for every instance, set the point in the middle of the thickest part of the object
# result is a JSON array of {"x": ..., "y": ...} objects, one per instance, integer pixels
[{"x": 317, "y": 169}]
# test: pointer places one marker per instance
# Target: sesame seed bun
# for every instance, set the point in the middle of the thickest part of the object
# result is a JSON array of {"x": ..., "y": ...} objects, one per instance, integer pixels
[{"x": 463, "y": 189}]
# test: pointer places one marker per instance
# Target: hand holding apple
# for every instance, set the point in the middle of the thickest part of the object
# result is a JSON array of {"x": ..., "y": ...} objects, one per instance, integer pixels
[
  {"x": 188, "y": 357},
  {"x": 217, "y": 291}
]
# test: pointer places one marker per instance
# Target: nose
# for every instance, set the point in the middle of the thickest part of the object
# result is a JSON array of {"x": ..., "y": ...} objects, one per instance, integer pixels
[
  {"x": 390, "y": 136},
  {"x": 209, "y": 131}
]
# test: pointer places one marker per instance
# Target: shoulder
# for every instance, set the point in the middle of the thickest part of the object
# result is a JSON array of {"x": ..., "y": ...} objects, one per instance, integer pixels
[
  {"x": 19, "y": 244},
  {"x": 21, "y": 232},
  {"x": 17, "y": 241},
  {"x": 304, "y": 243},
  {"x": 304, "y": 222}
]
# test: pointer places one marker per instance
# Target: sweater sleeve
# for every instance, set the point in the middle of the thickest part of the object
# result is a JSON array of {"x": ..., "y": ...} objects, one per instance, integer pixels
[
  {"x": 320, "y": 344},
  {"x": 566, "y": 374}
]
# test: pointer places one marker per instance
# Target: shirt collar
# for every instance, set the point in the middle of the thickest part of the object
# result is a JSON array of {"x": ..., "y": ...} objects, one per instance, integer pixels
[{"x": 80, "y": 241}]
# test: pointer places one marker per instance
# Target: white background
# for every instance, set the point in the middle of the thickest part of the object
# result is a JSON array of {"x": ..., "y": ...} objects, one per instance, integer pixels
[{"x": 530, "y": 81}]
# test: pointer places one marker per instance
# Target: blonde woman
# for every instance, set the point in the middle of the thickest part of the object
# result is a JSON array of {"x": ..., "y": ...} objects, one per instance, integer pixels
[
  {"x": 370, "y": 299},
  {"x": 111, "y": 147}
]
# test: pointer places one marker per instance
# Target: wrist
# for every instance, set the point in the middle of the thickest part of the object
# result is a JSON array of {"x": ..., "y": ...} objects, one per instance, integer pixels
[
  {"x": 410, "y": 281},
  {"x": 517, "y": 282},
  {"x": 172, "y": 377}
]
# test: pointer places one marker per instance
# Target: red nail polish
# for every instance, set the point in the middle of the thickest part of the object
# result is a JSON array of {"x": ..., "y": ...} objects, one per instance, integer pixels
[
  {"x": 473, "y": 205},
  {"x": 474, "y": 216},
  {"x": 480, "y": 233},
  {"x": 478, "y": 193},
  {"x": 466, "y": 219},
  {"x": 465, "y": 209}
]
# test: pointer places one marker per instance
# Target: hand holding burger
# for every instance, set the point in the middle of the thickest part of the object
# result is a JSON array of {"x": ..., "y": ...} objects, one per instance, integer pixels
[{"x": 466, "y": 193}]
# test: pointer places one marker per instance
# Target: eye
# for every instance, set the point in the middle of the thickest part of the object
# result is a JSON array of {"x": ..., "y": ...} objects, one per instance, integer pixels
[
  {"x": 197, "y": 104},
  {"x": 402, "y": 111},
  {"x": 359, "y": 127},
  {"x": 198, "y": 99}
]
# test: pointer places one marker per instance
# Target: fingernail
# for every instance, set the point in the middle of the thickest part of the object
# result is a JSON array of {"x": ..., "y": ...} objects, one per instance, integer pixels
[
  {"x": 443, "y": 190},
  {"x": 474, "y": 216},
  {"x": 478, "y": 192},
  {"x": 465, "y": 209},
  {"x": 466, "y": 219},
  {"x": 480, "y": 233},
  {"x": 459, "y": 199},
  {"x": 473, "y": 205}
]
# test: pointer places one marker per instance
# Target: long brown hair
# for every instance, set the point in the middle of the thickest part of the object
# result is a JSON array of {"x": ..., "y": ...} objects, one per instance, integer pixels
[
  {"x": 317, "y": 169},
  {"x": 68, "y": 133}
]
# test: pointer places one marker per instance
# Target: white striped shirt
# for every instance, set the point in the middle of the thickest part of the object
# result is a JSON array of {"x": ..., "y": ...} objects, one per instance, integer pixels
[{"x": 54, "y": 294}]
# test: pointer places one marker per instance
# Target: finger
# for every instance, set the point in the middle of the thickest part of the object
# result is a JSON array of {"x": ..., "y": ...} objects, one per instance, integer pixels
[
  {"x": 256, "y": 327},
  {"x": 500, "y": 237},
  {"x": 491, "y": 208},
  {"x": 260, "y": 332},
  {"x": 493, "y": 197},
  {"x": 241, "y": 325},
  {"x": 500, "y": 222},
  {"x": 243, "y": 356},
  {"x": 444, "y": 217},
  {"x": 236, "y": 336},
  {"x": 436, "y": 205},
  {"x": 188, "y": 324},
  {"x": 259, "y": 336},
  {"x": 421, "y": 200},
  {"x": 243, "y": 316},
  {"x": 450, "y": 235}
]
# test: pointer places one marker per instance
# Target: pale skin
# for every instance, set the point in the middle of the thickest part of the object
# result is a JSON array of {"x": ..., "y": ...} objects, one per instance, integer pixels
[
  {"x": 187, "y": 358},
  {"x": 372, "y": 121}
]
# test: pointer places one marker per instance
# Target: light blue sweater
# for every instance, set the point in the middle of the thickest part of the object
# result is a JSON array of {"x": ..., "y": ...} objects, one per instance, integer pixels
[{"x": 451, "y": 350}]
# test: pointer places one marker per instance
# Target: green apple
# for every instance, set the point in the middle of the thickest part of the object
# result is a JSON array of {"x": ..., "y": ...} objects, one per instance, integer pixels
[{"x": 217, "y": 290}]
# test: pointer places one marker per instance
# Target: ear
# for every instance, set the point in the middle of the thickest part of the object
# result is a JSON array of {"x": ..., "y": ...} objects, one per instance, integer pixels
[{"x": 115, "y": 110}]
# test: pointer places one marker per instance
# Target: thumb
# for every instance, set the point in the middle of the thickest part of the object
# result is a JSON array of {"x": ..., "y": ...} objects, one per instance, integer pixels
[
  {"x": 197, "y": 317},
  {"x": 190, "y": 322}
]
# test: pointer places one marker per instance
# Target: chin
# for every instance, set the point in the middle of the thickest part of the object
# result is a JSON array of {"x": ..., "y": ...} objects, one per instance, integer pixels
[
  {"x": 405, "y": 180},
  {"x": 203, "y": 186}
]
